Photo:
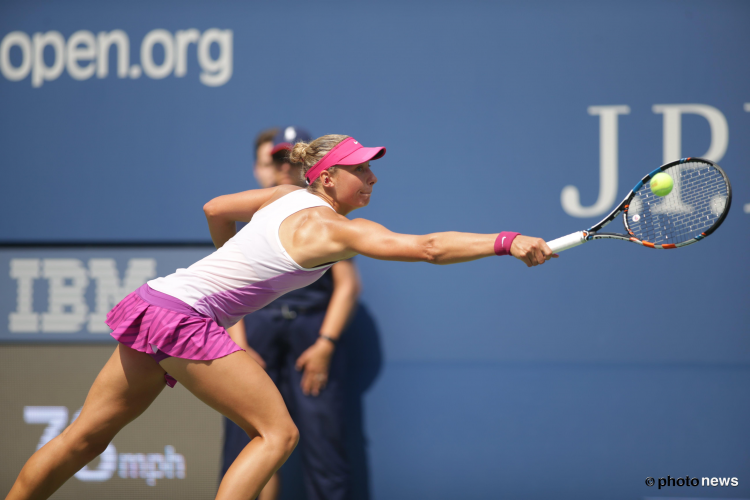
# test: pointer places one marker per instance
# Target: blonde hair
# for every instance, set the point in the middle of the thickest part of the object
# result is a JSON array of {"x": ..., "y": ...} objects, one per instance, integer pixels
[{"x": 306, "y": 155}]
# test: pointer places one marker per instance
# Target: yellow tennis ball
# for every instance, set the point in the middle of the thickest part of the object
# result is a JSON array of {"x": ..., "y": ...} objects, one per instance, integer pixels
[{"x": 661, "y": 184}]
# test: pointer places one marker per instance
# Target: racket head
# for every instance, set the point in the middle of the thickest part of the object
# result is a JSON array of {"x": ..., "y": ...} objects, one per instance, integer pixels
[{"x": 695, "y": 208}]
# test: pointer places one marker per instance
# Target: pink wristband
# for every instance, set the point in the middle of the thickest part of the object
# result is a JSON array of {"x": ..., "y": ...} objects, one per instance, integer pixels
[{"x": 503, "y": 242}]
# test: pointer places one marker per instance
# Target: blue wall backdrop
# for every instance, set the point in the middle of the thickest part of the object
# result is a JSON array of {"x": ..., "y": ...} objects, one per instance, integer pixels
[{"x": 577, "y": 379}]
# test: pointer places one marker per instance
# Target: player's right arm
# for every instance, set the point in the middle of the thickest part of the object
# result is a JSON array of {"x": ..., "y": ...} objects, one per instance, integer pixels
[
  {"x": 224, "y": 211},
  {"x": 376, "y": 241}
]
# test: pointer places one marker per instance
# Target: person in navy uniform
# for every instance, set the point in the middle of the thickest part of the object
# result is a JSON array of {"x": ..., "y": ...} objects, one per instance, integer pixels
[{"x": 296, "y": 339}]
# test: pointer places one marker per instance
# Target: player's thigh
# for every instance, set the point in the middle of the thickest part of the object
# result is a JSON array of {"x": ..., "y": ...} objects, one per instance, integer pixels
[
  {"x": 237, "y": 387},
  {"x": 124, "y": 388}
]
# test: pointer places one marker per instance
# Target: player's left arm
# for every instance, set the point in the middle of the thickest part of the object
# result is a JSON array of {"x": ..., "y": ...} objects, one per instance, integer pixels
[{"x": 374, "y": 240}]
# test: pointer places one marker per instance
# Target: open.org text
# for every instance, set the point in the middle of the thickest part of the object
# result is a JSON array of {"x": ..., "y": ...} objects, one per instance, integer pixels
[{"x": 45, "y": 56}]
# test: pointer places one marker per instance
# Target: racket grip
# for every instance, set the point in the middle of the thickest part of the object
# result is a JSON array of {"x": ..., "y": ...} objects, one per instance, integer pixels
[{"x": 566, "y": 242}]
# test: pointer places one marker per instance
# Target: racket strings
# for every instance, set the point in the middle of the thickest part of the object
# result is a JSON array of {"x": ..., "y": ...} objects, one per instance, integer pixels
[{"x": 696, "y": 202}]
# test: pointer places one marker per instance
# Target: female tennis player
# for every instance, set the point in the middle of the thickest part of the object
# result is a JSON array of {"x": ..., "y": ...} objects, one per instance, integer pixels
[{"x": 173, "y": 328}]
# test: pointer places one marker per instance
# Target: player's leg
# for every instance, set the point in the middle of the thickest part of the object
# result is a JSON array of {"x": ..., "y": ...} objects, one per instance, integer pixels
[
  {"x": 320, "y": 418},
  {"x": 272, "y": 489},
  {"x": 240, "y": 389},
  {"x": 235, "y": 440},
  {"x": 263, "y": 329},
  {"x": 125, "y": 387}
]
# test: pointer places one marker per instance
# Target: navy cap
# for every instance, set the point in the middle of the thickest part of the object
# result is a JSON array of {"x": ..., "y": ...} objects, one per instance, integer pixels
[{"x": 287, "y": 137}]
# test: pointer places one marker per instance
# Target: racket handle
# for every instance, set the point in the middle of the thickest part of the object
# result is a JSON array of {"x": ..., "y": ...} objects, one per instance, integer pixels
[{"x": 566, "y": 242}]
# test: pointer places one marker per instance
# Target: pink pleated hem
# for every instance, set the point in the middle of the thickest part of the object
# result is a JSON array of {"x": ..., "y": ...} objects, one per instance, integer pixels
[{"x": 142, "y": 326}]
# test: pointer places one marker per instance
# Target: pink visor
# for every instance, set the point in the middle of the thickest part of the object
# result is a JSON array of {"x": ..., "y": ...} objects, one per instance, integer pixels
[{"x": 347, "y": 152}]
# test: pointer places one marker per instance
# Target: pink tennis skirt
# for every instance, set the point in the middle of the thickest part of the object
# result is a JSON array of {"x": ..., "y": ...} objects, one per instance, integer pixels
[{"x": 164, "y": 326}]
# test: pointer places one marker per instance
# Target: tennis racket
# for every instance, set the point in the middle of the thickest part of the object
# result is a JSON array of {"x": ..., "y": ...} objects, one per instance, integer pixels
[{"x": 695, "y": 208}]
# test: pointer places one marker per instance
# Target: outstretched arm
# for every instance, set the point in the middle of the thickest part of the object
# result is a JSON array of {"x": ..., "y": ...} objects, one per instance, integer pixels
[
  {"x": 224, "y": 211},
  {"x": 373, "y": 240}
]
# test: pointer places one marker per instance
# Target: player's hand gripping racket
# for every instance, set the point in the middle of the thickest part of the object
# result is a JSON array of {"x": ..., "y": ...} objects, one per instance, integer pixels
[{"x": 696, "y": 207}]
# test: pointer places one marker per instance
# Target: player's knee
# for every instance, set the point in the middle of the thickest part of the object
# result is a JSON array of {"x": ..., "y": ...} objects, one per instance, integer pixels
[
  {"x": 290, "y": 437},
  {"x": 96, "y": 447},
  {"x": 85, "y": 445},
  {"x": 284, "y": 438},
  {"x": 92, "y": 446}
]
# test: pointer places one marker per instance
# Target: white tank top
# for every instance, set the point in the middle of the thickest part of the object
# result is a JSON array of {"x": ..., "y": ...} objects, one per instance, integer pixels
[{"x": 250, "y": 271}]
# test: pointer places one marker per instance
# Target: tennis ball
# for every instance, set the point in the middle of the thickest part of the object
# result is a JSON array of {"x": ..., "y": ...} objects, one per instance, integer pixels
[{"x": 661, "y": 184}]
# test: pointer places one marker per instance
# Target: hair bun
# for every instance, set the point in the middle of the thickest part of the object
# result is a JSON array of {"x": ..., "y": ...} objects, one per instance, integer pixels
[{"x": 299, "y": 153}]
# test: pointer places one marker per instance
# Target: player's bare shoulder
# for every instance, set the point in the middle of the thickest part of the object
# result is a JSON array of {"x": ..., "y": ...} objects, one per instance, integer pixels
[
  {"x": 316, "y": 224},
  {"x": 307, "y": 236}
]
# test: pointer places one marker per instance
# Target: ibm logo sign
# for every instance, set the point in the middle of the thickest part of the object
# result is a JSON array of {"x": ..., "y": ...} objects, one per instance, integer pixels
[{"x": 67, "y": 282}]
